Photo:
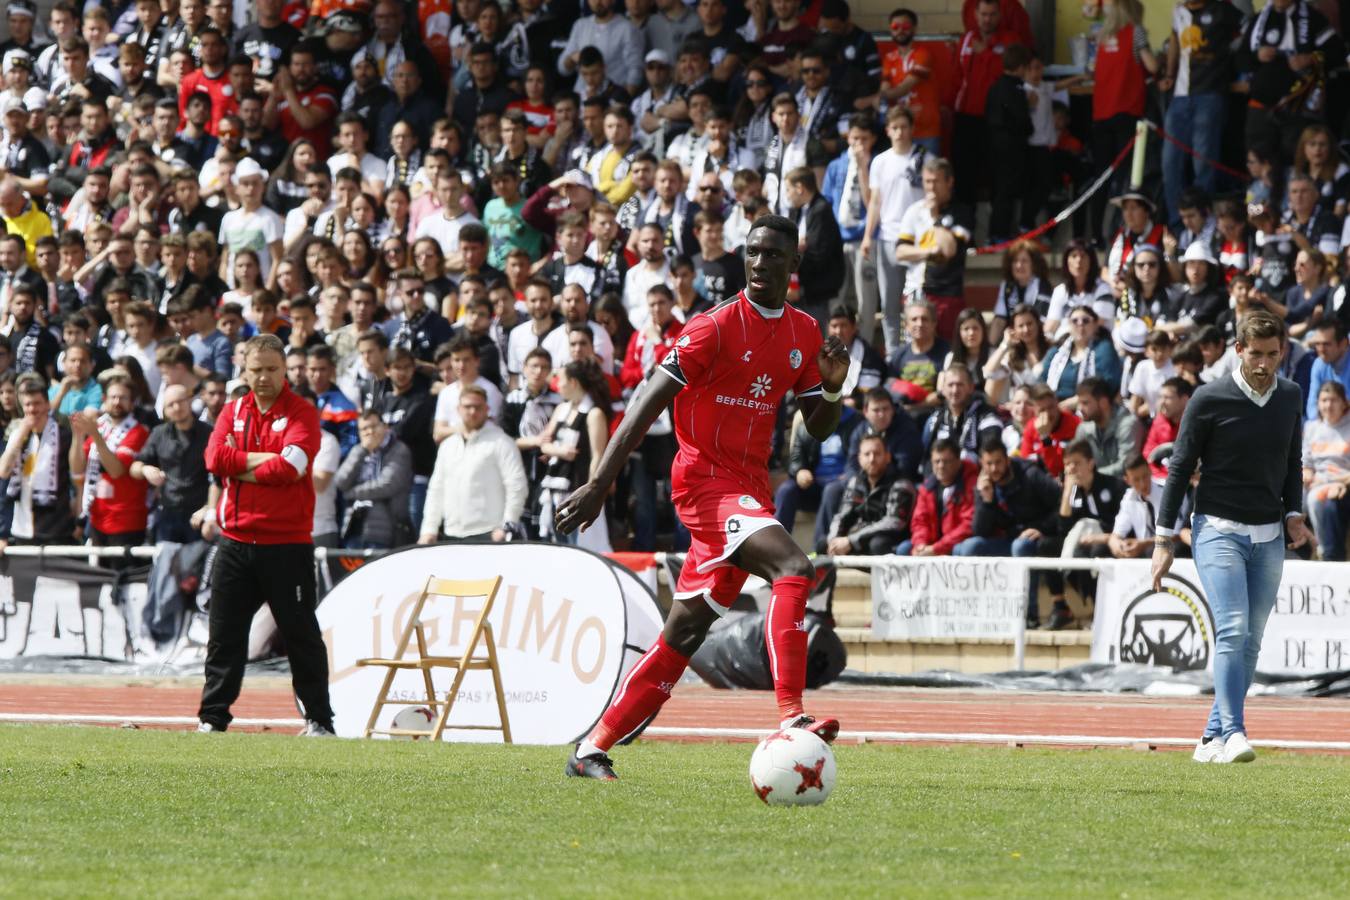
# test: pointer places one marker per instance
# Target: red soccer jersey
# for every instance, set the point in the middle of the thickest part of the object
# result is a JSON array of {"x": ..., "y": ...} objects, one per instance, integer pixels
[
  {"x": 736, "y": 366},
  {"x": 319, "y": 96},
  {"x": 119, "y": 503}
]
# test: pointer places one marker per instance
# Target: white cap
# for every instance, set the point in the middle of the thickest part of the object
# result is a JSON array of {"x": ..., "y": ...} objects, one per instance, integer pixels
[
  {"x": 658, "y": 56},
  {"x": 22, "y": 58},
  {"x": 1199, "y": 251},
  {"x": 577, "y": 177},
  {"x": 12, "y": 104},
  {"x": 248, "y": 168},
  {"x": 1130, "y": 335}
]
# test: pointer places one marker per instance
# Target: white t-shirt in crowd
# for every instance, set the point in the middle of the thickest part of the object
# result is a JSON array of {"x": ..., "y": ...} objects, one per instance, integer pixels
[
  {"x": 372, "y": 167},
  {"x": 326, "y": 461},
  {"x": 444, "y": 231},
  {"x": 900, "y": 180},
  {"x": 1147, "y": 379},
  {"x": 519, "y": 344},
  {"x": 447, "y": 402},
  {"x": 561, "y": 351},
  {"x": 636, "y": 282},
  {"x": 242, "y": 230}
]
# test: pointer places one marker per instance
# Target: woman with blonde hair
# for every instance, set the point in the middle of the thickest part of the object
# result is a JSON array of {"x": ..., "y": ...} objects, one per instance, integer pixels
[{"x": 1315, "y": 156}]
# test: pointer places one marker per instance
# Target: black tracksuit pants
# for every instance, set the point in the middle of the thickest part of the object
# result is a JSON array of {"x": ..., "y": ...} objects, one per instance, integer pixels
[{"x": 243, "y": 578}]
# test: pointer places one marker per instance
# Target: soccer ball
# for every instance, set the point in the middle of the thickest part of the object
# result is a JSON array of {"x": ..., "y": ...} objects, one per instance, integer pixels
[
  {"x": 413, "y": 718},
  {"x": 792, "y": 767}
]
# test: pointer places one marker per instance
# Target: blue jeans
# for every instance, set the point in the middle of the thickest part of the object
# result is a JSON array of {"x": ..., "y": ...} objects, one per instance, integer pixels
[
  {"x": 1240, "y": 580},
  {"x": 1196, "y": 121},
  {"x": 932, "y": 144},
  {"x": 791, "y": 497},
  {"x": 417, "y": 501},
  {"x": 1328, "y": 519}
]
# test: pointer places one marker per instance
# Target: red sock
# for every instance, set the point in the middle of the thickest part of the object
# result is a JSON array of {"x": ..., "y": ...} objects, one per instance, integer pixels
[
  {"x": 641, "y": 694},
  {"x": 786, "y": 639}
]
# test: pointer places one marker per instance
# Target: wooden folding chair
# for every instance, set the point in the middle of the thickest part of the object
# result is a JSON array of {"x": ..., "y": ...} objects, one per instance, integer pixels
[{"x": 468, "y": 662}]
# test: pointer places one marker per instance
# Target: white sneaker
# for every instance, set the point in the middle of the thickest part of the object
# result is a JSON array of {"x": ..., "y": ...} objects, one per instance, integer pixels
[
  {"x": 208, "y": 728},
  {"x": 1238, "y": 749},
  {"x": 317, "y": 729},
  {"x": 1211, "y": 752}
]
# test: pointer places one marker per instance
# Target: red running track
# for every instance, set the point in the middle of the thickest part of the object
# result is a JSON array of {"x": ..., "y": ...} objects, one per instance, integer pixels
[{"x": 927, "y": 711}]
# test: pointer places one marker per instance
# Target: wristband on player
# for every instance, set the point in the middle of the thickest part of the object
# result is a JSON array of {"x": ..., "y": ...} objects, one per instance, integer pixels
[{"x": 831, "y": 397}]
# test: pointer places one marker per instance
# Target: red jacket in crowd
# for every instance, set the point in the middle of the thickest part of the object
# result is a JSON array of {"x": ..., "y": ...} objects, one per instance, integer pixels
[
  {"x": 119, "y": 503},
  {"x": 944, "y": 532},
  {"x": 644, "y": 354},
  {"x": 1013, "y": 17},
  {"x": 279, "y": 509},
  {"x": 1162, "y": 431},
  {"x": 979, "y": 71},
  {"x": 1050, "y": 449}
]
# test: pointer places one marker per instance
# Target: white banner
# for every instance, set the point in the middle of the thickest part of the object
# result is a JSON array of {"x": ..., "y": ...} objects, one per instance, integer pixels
[
  {"x": 567, "y": 625},
  {"x": 948, "y": 597},
  {"x": 1308, "y": 632}
]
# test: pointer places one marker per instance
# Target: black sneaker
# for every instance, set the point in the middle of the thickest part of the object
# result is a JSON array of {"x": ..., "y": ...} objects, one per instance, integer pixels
[
  {"x": 1033, "y": 623},
  {"x": 597, "y": 766},
  {"x": 1060, "y": 617}
]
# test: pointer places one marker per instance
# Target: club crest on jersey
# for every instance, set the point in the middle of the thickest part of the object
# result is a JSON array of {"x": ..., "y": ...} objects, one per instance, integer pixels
[
  {"x": 683, "y": 342},
  {"x": 760, "y": 386},
  {"x": 748, "y": 502},
  {"x": 795, "y": 358}
]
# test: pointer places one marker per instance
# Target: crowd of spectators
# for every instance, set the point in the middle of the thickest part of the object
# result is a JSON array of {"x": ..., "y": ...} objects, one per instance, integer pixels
[{"x": 479, "y": 227}]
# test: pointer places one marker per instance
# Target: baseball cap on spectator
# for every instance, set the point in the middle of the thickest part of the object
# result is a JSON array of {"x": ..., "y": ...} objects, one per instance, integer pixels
[
  {"x": 248, "y": 168},
  {"x": 1199, "y": 251},
  {"x": 658, "y": 56},
  {"x": 1135, "y": 195},
  {"x": 577, "y": 177},
  {"x": 12, "y": 104},
  {"x": 22, "y": 8},
  {"x": 1129, "y": 335},
  {"x": 18, "y": 59},
  {"x": 351, "y": 22}
]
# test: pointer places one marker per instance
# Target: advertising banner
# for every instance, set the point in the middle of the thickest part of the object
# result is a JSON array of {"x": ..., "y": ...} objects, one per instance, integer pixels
[
  {"x": 1308, "y": 632},
  {"x": 948, "y": 597},
  {"x": 567, "y": 624}
]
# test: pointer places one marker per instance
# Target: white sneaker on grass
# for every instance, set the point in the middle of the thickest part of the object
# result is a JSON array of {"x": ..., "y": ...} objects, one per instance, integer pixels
[
  {"x": 208, "y": 728},
  {"x": 1236, "y": 748},
  {"x": 1209, "y": 752},
  {"x": 317, "y": 729}
]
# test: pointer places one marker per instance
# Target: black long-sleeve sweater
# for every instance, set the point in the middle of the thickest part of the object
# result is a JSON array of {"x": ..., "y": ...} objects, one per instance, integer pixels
[{"x": 1250, "y": 456}]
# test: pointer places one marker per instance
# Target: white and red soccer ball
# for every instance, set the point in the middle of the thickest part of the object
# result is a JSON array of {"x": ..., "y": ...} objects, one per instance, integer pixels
[
  {"x": 413, "y": 718},
  {"x": 792, "y": 767}
]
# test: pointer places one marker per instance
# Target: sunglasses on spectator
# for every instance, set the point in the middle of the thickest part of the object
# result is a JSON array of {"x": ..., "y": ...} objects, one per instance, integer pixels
[{"x": 715, "y": 188}]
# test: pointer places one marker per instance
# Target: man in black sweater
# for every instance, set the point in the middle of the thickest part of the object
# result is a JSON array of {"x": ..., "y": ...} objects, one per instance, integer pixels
[
  {"x": 821, "y": 273},
  {"x": 1245, "y": 433},
  {"x": 1016, "y": 514},
  {"x": 1008, "y": 117}
]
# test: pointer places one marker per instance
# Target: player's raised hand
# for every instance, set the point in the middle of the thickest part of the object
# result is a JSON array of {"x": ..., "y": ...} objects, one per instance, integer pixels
[
  {"x": 833, "y": 362},
  {"x": 582, "y": 507}
]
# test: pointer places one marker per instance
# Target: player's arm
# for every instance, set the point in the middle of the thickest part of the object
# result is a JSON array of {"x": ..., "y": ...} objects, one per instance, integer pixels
[
  {"x": 584, "y": 505},
  {"x": 820, "y": 407}
]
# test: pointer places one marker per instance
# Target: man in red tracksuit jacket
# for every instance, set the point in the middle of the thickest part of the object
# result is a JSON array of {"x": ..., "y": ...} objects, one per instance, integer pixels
[
  {"x": 944, "y": 511},
  {"x": 261, "y": 449}
]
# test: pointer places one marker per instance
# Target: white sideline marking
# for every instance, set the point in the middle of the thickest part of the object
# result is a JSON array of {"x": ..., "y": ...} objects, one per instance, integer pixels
[
  {"x": 58, "y": 719},
  {"x": 983, "y": 738},
  {"x": 934, "y": 737}
]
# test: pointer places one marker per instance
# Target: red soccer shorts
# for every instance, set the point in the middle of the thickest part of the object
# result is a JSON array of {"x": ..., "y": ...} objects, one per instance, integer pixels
[{"x": 719, "y": 516}]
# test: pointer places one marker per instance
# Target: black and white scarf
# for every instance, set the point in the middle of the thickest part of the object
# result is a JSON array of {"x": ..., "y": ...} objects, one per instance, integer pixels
[
  {"x": 26, "y": 357},
  {"x": 674, "y": 225},
  {"x": 1063, "y": 356},
  {"x": 1297, "y": 29},
  {"x": 114, "y": 433},
  {"x": 46, "y": 466},
  {"x": 406, "y": 337}
]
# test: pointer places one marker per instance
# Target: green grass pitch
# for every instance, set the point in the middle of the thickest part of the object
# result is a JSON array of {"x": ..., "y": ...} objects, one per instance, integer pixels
[{"x": 103, "y": 812}]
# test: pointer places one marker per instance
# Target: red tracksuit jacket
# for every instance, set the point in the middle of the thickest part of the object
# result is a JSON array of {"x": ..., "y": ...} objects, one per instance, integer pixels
[
  {"x": 957, "y": 516},
  {"x": 279, "y": 509}
]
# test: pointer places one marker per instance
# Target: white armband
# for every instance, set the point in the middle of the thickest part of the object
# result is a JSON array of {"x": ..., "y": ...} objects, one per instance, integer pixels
[
  {"x": 831, "y": 397},
  {"x": 298, "y": 459}
]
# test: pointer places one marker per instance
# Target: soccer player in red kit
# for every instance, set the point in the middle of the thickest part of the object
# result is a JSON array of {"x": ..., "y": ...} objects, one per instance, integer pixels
[{"x": 726, "y": 374}]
